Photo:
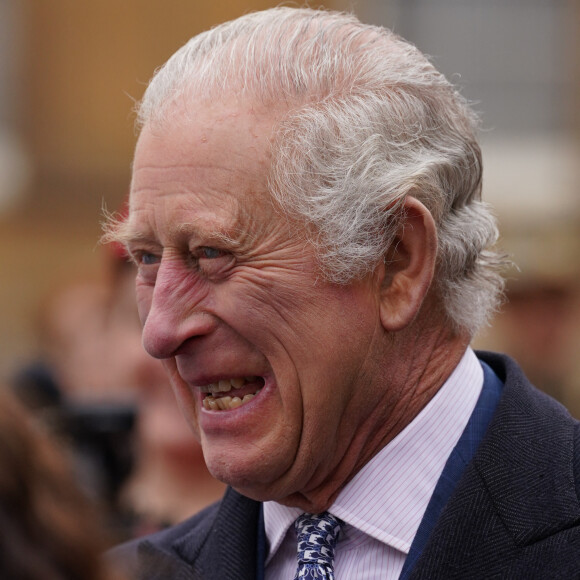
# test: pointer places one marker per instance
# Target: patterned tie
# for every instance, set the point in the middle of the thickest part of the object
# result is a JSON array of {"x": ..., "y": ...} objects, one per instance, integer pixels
[{"x": 317, "y": 536}]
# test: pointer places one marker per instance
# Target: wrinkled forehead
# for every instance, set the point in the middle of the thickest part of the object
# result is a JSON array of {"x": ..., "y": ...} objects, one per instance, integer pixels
[
  {"x": 193, "y": 126},
  {"x": 215, "y": 157},
  {"x": 228, "y": 140}
]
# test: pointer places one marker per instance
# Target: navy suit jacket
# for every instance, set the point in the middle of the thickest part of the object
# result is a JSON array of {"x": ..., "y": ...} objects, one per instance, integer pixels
[{"x": 514, "y": 513}]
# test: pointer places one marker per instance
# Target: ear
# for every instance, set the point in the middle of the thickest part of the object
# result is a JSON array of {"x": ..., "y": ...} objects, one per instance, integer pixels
[{"x": 409, "y": 267}]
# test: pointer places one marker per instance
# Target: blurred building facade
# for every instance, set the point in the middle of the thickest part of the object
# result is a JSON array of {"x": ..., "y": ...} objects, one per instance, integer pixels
[{"x": 69, "y": 72}]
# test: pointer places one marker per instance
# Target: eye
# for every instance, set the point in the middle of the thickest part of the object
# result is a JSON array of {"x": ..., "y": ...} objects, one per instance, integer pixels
[
  {"x": 143, "y": 258},
  {"x": 147, "y": 259},
  {"x": 210, "y": 253},
  {"x": 147, "y": 263}
]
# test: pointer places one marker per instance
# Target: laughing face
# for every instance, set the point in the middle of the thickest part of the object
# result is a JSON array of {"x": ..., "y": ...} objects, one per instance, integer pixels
[{"x": 273, "y": 367}]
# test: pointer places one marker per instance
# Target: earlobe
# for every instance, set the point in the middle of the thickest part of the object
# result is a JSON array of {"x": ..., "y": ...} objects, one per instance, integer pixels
[{"x": 409, "y": 266}]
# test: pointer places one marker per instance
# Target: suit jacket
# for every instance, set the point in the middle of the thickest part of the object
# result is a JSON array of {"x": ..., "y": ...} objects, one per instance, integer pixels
[{"x": 514, "y": 514}]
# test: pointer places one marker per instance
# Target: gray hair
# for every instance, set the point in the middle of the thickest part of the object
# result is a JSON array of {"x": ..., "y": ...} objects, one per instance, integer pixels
[{"x": 369, "y": 121}]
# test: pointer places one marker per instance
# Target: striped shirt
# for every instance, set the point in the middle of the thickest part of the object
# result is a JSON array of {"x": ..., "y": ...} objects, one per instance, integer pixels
[{"x": 384, "y": 503}]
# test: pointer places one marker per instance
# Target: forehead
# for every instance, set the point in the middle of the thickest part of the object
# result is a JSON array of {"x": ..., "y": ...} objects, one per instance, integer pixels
[{"x": 204, "y": 162}]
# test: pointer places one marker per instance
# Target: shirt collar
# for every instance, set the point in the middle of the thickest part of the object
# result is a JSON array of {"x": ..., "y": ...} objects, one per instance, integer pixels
[{"x": 404, "y": 473}]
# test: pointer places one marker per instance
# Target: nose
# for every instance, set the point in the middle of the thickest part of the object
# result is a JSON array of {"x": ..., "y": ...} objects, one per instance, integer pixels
[{"x": 175, "y": 314}]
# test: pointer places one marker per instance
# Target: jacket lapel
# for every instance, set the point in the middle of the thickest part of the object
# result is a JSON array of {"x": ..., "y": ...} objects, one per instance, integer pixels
[{"x": 225, "y": 548}]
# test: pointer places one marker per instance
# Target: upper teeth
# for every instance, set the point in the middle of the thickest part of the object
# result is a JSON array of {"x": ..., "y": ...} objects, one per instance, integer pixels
[{"x": 226, "y": 385}]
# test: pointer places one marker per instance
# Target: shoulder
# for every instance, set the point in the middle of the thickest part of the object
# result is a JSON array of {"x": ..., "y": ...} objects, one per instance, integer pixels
[
  {"x": 521, "y": 397},
  {"x": 515, "y": 512},
  {"x": 532, "y": 447},
  {"x": 530, "y": 456}
]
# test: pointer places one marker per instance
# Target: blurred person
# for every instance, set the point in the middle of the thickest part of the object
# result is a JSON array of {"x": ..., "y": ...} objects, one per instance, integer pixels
[
  {"x": 69, "y": 334},
  {"x": 314, "y": 259},
  {"x": 71, "y": 387},
  {"x": 48, "y": 528},
  {"x": 78, "y": 340},
  {"x": 79, "y": 387}
]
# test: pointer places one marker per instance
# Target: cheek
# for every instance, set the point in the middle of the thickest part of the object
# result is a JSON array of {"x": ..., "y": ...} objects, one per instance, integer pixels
[
  {"x": 265, "y": 309},
  {"x": 325, "y": 334}
]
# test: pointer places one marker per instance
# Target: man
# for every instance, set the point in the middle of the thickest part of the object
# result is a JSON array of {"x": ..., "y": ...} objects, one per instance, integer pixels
[{"x": 313, "y": 262}]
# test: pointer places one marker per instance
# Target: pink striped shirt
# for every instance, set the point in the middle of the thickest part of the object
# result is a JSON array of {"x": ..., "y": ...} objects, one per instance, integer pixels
[{"x": 378, "y": 534}]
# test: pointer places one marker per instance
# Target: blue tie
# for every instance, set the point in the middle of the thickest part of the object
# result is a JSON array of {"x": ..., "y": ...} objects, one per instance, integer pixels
[{"x": 317, "y": 536}]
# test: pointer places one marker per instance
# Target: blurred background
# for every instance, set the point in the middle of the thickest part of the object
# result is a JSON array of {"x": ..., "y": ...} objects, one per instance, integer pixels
[{"x": 69, "y": 74}]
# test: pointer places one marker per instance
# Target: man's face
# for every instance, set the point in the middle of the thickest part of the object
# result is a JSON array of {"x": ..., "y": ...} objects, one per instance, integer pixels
[{"x": 231, "y": 298}]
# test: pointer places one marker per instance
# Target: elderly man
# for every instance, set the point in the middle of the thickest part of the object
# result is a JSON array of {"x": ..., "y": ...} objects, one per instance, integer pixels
[{"x": 313, "y": 262}]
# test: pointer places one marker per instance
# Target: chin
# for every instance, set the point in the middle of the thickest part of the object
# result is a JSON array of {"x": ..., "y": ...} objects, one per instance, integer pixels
[{"x": 260, "y": 480}]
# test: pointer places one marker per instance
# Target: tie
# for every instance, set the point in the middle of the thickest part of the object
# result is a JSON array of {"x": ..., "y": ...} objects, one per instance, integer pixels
[{"x": 317, "y": 536}]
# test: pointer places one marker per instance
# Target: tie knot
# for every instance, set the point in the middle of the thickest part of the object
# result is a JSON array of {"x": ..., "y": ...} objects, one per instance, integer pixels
[{"x": 317, "y": 537}]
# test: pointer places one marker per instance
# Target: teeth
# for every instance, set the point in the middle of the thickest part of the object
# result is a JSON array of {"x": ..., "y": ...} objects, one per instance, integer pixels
[
  {"x": 226, "y": 403},
  {"x": 227, "y": 385},
  {"x": 223, "y": 403},
  {"x": 235, "y": 402}
]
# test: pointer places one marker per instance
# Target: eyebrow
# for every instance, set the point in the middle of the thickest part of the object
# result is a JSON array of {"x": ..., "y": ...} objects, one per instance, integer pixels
[
  {"x": 118, "y": 230},
  {"x": 123, "y": 232},
  {"x": 223, "y": 235}
]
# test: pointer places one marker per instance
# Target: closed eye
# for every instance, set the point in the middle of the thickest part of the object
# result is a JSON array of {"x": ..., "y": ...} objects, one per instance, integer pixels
[{"x": 213, "y": 262}]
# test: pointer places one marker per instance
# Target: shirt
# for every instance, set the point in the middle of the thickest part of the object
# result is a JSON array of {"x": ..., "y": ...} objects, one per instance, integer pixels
[{"x": 382, "y": 506}]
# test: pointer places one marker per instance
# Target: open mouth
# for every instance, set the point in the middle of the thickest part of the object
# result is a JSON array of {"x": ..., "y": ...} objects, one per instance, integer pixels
[{"x": 230, "y": 394}]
